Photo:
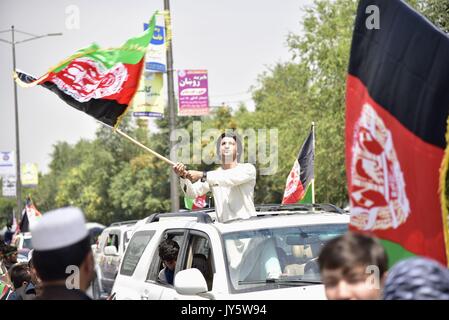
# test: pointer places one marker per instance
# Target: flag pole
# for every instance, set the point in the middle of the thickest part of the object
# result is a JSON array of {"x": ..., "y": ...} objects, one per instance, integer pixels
[
  {"x": 313, "y": 180},
  {"x": 144, "y": 147},
  {"x": 139, "y": 144}
]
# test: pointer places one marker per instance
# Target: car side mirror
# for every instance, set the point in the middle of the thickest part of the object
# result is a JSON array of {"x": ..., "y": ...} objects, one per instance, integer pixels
[
  {"x": 190, "y": 282},
  {"x": 110, "y": 251}
]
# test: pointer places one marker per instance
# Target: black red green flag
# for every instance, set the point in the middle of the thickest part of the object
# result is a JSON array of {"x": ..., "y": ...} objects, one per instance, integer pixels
[
  {"x": 302, "y": 173},
  {"x": 197, "y": 203},
  {"x": 99, "y": 82},
  {"x": 397, "y": 104}
]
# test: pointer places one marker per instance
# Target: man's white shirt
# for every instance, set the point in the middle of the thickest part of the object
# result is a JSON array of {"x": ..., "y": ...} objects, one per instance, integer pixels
[{"x": 233, "y": 191}]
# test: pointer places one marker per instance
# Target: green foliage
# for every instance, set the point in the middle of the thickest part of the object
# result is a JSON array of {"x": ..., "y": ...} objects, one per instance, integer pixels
[{"x": 7, "y": 206}]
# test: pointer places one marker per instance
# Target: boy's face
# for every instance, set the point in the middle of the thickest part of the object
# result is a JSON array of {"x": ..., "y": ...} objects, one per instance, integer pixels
[
  {"x": 355, "y": 284},
  {"x": 170, "y": 264},
  {"x": 12, "y": 257}
]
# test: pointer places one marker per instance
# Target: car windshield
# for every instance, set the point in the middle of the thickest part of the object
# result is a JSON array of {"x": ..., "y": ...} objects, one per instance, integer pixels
[{"x": 278, "y": 256}]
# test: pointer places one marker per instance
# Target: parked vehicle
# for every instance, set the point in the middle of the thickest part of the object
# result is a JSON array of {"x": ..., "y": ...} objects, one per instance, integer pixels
[
  {"x": 23, "y": 241},
  {"x": 108, "y": 253},
  {"x": 271, "y": 256},
  {"x": 95, "y": 229}
]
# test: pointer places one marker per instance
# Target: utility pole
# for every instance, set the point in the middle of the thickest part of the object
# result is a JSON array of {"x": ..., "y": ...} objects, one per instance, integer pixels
[
  {"x": 16, "y": 113},
  {"x": 16, "y": 109},
  {"x": 174, "y": 195}
]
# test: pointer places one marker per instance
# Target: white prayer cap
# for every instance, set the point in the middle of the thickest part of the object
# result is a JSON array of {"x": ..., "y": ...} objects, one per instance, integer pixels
[{"x": 58, "y": 229}]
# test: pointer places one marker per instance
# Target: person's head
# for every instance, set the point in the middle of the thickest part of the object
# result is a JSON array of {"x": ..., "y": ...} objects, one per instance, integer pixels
[
  {"x": 353, "y": 266},
  {"x": 62, "y": 249},
  {"x": 33, "y": 273},
  {"x": 168, "y": 252},
  {"x": 417, "y": 279},
  {"x": 10, "y": 254},
  {"x": 229, "y": 147},
  {"x": 2, "y": 247},
  {"x": 20, "y": 275}
]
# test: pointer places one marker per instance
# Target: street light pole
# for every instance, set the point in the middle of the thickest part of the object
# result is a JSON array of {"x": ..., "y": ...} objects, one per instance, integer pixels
[
  {"x": 16, "y": 113},
  {"x": 174, "y": 197},
  {"x": 13, "y": 42}
]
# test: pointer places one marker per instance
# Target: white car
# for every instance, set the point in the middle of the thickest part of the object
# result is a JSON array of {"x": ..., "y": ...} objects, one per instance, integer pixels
[
  {"x": 108, "y": 253},
  {"x": 23, "y": 241},
  {"x": 271, "y": 256}
]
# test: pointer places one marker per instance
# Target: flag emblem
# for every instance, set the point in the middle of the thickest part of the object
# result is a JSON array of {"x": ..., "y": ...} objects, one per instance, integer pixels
[
  {"x": 86, "y": 79},
  {"x": 293, "y": 181},
  {"x": 378, "y": 196}
]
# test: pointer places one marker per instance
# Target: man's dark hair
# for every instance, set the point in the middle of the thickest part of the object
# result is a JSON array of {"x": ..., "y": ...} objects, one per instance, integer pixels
[
  {"x": 353, "y": 250},
  {"x": 233, "y": 135},
  {"x": 417, "y": 278},
  {"x": 19, "y": 274},
  {"x": 8, "y": 250},
  {"x": 168, "y": 250},
  {"x": 51, "y": 264},
  {"x": 2, "y": 246}
]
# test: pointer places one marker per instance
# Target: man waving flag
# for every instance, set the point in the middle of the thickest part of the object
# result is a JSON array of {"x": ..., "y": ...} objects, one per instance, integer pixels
[
  {"x": 99, "y": 82},
  {"x": 397, "y": 105}
]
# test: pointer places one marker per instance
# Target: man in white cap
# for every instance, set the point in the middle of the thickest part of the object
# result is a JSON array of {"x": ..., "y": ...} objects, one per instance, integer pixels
[{"x": 62, "y": 255}]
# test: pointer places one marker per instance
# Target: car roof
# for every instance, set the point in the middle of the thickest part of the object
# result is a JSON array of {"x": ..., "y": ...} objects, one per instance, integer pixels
[
  {"x": 92, "y": 225},
  {"x": 123, "y": 225},
  {"x": 267, "y": 220},
  {"x": 268, "y": 216}
]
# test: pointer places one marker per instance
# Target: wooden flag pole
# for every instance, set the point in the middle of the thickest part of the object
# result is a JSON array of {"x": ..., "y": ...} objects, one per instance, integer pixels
[
  {"x": 139, "y": 144},
  {"x": 145, "y": 147}
]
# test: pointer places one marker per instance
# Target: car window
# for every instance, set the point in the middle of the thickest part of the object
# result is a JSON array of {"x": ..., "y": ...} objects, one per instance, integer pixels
[
  {"x": 289, "y": 253},
  {"x": 199, "y": 255},
  {"x": 27, "y": 244},
  {"x": 113, "y": 240},
  {"x": 157, "y": 265},
  {"x": 135, "y": 250}
]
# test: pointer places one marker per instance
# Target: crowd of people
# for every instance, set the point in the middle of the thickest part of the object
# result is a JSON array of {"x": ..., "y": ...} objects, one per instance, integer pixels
[{"x": 18, "y": 281}]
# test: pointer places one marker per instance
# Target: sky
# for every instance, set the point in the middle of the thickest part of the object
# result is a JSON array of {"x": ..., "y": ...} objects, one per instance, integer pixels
[{"x": 235, "y": 40}]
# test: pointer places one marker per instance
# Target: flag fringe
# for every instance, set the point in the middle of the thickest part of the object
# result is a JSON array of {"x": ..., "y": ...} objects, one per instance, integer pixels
[{"x": 442, "y": 190}]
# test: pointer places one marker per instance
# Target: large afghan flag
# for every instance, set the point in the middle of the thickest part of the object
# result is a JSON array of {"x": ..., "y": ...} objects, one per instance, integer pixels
[
  {"x": 299, "y": 180},
  {"x": 99, "y": 82},
  {"x": 397, "y": 106}
]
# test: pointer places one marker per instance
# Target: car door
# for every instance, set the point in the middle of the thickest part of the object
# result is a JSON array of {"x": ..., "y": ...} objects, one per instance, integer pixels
[
  {"x": 111, "y": 262},
  {"x": 99, "y": 255},
  {"x": 196, "y": 253},
  {"x": 134, "y": 267},
  {"x": 153, "y": 287}
]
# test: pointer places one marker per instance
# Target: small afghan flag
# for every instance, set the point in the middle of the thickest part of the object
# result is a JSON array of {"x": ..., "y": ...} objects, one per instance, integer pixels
[
  {"x": 397, "y": 105},
  {"x": 30, "y": 216},
  {"x": 197, "y": 203},
  {"x": 99, "y": 82},
  {"x": 299, "y": 181},
  {"x": 5, "y": 290}
]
